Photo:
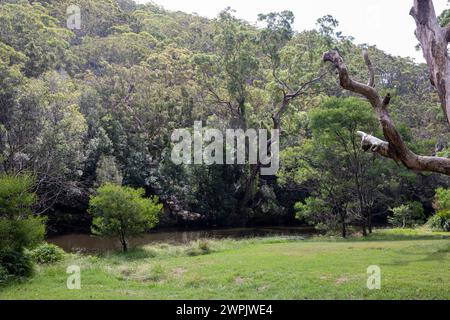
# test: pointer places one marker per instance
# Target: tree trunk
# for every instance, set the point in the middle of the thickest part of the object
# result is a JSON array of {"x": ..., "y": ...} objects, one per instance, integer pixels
[
  {"x": 433, "y": 41},
  {"x": 369, "y": 221},
  {"x": 124, "y": 243},
  {"x": 344, "y": 230},
  {"x": 124, "y": 246},
  {"x": 248, "y": 194},
  {"x": 364, "y": 228}
]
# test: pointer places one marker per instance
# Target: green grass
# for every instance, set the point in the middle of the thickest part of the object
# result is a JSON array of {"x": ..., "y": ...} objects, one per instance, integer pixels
[{"x": 415, "y": 264}]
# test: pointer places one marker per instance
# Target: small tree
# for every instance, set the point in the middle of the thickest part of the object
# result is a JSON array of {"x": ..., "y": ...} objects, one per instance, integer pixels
[
  {"x": 123, "y": 212},
  {"x": 317, "y": 212},
  {"x": 332, "y": 168},
  {"x": 407, "y": 215},
  {"x": 19, "y": 229}
]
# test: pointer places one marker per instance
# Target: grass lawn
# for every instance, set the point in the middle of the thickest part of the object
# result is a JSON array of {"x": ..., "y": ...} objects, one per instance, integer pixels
[{"x": 414, "y": 265}]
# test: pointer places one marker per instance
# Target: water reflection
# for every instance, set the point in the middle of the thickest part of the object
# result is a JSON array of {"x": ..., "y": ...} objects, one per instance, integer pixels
[{"x": 87, "y": 243}]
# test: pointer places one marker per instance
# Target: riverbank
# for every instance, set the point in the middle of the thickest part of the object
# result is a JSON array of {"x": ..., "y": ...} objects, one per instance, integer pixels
[
  {"x": 91, "y": 244},
  {"x": 414, "y": 265}
]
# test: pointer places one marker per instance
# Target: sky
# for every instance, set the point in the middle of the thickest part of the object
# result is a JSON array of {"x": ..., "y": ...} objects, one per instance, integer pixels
[{"x": 384, "y": 23}]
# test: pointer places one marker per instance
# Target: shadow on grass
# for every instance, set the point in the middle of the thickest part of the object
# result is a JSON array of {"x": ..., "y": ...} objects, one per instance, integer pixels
[
  {"x": 15, "y": 281},
  {"x": 439, "y": 254},
  {"x": 404, "y": 237}
]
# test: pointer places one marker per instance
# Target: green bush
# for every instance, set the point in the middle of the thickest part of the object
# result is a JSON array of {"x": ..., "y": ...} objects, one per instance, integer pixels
[
  {"x": 19, "y": 229},
  {"x": 157, "y": 273},
  {"x": 441, "y": 220},
  {"x": 16, "y": 197},
  {"x": 434, "y": 223},
  {"x": 47, "y": 253},
  {"x": 16, "y": 263},
  {"x": 194, "y": 251},
  {"x": 446, "y": 225},
  {"x": 408, "y": 215},
  {"x": 4, "y": 274},
  {"x": 20, "y": 233},
  {"x": 204, "y": 246},
  {"x": 199, "y": 248}
]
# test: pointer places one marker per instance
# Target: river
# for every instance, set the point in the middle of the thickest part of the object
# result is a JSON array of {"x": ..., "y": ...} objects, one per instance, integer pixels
[{"x": 88, "y": 243}]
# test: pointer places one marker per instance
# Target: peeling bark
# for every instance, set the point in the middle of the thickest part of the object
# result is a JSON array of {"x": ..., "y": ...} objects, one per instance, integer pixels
[
  {"x": 434, "y": 41},
  {"x": 447, "y": 33}
]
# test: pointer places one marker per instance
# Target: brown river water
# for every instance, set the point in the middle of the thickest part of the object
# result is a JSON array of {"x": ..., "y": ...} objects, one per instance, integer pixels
[{"x": 88, "y": 243}]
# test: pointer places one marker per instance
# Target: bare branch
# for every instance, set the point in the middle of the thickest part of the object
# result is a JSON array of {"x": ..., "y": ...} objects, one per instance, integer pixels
[
  {"x": 369, "y": 65},
  {"x": 305, "y": 86},
  {"x": 276, "y": 117}
]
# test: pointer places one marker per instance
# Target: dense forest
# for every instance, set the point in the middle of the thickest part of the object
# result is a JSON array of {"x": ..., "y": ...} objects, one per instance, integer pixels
[
  {"x": 84, "y": 107},
  {"x": 116, "y": 120}
]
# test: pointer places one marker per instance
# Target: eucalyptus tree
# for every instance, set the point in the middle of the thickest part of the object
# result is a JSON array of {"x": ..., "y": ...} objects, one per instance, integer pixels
[{"x": 333, "y": 168}]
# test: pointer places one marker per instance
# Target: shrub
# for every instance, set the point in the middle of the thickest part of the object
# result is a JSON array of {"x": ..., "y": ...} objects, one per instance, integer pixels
[
  {"x": 157, "y": 273},
  {"x": 446, "y": 225},
  {"x": 20, "y": 233},
  {"x": 19, "y": 229},
  {"x": 434, "y": 223},
  {"x": 47, "y": 253},
  {"x": 408, "y": 215},
  {"x": 194, "y": 251},
  {"x": 441, "y": 220},
  {"x": 4, "y": 274},
  {"x": 16, "y": 263},
  {"x": 16, "y": 198},
  {"x": 199, "y": 248},
  {"x": 204, "y": 246},
  {"x": 123, "y": 212}
]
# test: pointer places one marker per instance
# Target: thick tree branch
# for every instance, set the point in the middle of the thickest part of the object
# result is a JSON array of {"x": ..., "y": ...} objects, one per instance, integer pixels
[
  {"x": 394, "y": 147},
  {"x": 349, "y": 84},
  {"x": 373, "y": 144},
  {"x": 434, "y": 40}
]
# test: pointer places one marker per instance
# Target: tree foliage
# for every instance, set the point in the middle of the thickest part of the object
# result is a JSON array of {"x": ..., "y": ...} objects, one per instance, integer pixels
[
  {"x": 19, "y": 229},
  {"x": 407, "y": 215},
  {"x": 441, "y": 220},
  {"x": 123, "y": 212}
]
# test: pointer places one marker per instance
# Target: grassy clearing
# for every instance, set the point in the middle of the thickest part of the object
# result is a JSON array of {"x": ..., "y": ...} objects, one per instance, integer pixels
[{"x": 417, "y": 267}]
